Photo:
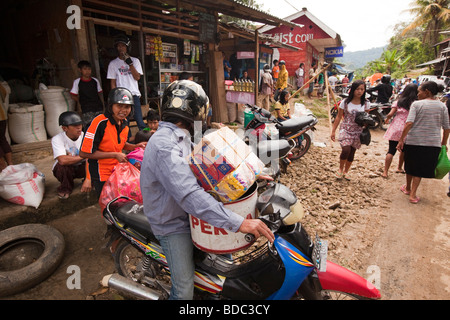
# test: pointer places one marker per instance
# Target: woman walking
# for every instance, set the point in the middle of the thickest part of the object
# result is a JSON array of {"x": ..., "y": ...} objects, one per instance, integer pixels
[
  {"x": 423, "y": 138},
  {"x": 400, "y": 109},
  {"x": 350, "y": 131}
]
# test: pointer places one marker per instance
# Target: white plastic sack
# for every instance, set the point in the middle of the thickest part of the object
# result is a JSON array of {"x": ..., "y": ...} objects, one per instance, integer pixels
[
  {"x": 26, "y": 123},
  {"x": 22, "y": 184},
  {"x": 300, "y": 110},
  {"x": 56, "y": 100}
]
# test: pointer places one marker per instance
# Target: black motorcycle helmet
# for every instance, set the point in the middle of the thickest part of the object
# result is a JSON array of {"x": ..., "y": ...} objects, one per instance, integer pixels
[
  {"x": 386, "y": 78},
  {"x": 122, "y": 96},
  {"x": 122, "y": 39},
  {"x": 69, "y": 118},
  {"x": 185, "y": 99}
]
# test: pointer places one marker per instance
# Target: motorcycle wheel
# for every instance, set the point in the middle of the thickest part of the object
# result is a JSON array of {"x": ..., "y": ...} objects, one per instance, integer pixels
[
  {"x": 378, "y": 121},
  {"x": 303, "y": 144},
  {"x": 334, "y": 113},
  {"x": 126, "y": 259},
  {"x": 339, "y": 295}
]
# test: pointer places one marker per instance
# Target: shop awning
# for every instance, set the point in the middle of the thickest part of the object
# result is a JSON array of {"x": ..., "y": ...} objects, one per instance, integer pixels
[
  {"x": 233, "y": 9},
  {"x": 184, "y": 19},
  {"x": 438, "y": 60}
]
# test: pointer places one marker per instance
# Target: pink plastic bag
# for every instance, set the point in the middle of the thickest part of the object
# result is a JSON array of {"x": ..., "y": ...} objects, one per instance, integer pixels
[{"x": 124, "y": 181}]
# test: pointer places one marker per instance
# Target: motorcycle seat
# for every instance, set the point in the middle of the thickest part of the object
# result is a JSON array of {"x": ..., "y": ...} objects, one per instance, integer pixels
[
  {"x": 273, "y": 149},
  {"x": 296, "y": 124},
  {"x": 131, "y": 214}
]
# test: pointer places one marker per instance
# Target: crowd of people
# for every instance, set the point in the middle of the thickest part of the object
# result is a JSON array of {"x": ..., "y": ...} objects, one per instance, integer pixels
[
  {"x": 419, "y": 127},
  {"x": 93, "y": 139}
]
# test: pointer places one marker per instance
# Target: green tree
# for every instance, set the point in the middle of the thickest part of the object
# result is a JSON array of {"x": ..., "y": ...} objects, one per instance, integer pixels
[{"x": 432, "y": 16}]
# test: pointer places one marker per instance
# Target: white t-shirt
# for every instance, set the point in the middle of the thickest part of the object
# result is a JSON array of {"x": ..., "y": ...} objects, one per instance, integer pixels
[
  {"x": 62, "y": 145},
  {"x": 120, "y": 70},
  {"x": 354, "y": 107},
  {"x": 333, "y": 80}
]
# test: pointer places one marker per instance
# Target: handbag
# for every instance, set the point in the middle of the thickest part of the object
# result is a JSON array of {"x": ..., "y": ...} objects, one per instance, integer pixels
[
  {"x": 443, "y": 166},
  {"x": 365, "y": 136}
]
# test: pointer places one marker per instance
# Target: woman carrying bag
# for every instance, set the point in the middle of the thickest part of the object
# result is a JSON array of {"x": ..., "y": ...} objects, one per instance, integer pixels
[{"x": 423, "y": 138}]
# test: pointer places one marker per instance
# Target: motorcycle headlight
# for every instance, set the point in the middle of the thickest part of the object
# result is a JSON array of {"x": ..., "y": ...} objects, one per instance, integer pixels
[{"x": 296, "y": 215}]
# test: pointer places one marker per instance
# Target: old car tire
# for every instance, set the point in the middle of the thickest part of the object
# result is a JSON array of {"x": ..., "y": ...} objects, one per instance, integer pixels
[{"x": 44, "y": 237}]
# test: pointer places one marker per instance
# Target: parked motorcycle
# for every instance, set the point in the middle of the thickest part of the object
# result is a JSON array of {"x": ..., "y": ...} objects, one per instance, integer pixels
[
  {"x": 294, "y": 129},
  {"x": 378, "y": 111},
  {"x": 294, "y": 266}
]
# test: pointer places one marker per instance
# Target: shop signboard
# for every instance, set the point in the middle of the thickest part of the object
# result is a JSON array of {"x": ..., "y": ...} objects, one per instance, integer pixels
[
  {"x": 207, "y": 28},
  {"x": 334, "y": 52}
]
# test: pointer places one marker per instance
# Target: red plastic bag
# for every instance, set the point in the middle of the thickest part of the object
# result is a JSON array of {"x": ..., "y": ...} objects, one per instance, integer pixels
[{"x": 124, "y": 181}]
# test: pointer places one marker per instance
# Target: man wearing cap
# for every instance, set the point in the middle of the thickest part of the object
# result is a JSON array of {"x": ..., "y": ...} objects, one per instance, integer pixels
[
  {"x": 125, "y": 72},
  {"x": 68, "y": 164}
]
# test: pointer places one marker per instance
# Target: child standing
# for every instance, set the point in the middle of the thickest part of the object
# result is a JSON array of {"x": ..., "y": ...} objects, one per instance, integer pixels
[
  {"x": 88, "y": 94},
  {"x": 350, "y": 131}
]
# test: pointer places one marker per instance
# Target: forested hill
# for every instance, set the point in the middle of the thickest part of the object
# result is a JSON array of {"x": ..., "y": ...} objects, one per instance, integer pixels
[{"x": 358, "y": 59}]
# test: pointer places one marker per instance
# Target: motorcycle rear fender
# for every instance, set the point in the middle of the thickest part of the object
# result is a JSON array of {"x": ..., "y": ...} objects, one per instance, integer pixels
[{"x": 338, "y": 278}]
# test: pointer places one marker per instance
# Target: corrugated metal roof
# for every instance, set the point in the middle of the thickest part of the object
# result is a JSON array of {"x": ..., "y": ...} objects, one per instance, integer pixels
[{"x": 231, "y": 8}]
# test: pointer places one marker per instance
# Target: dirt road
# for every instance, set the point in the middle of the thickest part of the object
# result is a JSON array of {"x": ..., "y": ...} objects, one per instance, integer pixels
[
  {"x": 403, "y": 246},
  {"x": 372, "y": 228}
]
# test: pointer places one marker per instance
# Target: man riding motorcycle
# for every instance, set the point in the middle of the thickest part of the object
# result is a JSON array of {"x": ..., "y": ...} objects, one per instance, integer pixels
[
  {"x": 384, "y": 89},
  {"x": 170, "y": 189}
]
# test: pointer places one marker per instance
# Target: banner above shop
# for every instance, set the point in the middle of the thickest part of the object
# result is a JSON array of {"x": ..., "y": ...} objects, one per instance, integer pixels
[
  {"x": 334, "y": 52},
  {"x": 245, "y": 55}
]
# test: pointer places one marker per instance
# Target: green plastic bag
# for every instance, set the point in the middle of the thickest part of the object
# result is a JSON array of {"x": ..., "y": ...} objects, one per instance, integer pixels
[{"x": 443, "y": 166}]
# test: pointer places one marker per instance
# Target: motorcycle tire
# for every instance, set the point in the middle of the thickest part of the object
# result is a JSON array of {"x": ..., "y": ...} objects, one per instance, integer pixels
[
  {"x": 334, "y": 113},
  {"x": 340, "y": 295},
  {"x": 378, "y": 121},
  {"x": 28, "y": 255},
  {"x": 126, "y": 257},
  {"x": 303, "y": 144}
]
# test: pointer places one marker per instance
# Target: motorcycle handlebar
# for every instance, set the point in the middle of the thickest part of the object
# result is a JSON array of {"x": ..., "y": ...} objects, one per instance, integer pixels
[{"x": 264, "y": 113}]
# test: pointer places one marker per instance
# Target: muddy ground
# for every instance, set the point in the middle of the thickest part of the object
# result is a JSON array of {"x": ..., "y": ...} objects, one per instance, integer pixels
[{"x": 371, "y": 227}]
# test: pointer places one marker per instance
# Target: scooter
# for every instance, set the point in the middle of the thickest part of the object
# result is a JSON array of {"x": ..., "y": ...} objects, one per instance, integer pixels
[
  {"x": 378, "y": 111},
  {"x": 294, "y": 266},
  {"x": 294, "y": 129}
]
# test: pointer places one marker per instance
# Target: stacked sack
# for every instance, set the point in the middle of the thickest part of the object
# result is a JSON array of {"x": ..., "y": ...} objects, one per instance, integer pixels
[
  {"x": 22, "y": 184},
  {"x": 55, "y": 100},
  {"x": 224, "y": 165}
]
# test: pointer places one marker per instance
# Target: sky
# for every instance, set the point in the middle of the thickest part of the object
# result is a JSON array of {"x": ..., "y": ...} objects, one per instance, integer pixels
[{"x": 362, "y": 24}]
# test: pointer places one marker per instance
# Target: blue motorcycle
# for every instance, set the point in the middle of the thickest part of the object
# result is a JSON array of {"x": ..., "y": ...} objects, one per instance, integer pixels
[{"x": 293, "y": 266}]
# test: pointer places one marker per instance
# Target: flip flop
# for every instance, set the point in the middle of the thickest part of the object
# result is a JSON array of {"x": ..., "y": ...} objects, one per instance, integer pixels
[
  {"x": 339, "y": 175},
  {"x": 346, "y": 177},
  {"x": 63, "y": 196},
  {"x": 403, "y": 189},
  {"x": 414, "y": 201}
]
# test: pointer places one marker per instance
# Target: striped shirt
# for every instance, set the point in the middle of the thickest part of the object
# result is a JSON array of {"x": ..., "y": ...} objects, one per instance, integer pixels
[{"x": 428, "y": 117}]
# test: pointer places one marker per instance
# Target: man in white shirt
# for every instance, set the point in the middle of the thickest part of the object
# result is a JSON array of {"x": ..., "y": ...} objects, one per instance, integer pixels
[
  {"x": 125, "y": 72},
  {"x": 68, "y": 164},
  {"x": 333, "y": 80}
]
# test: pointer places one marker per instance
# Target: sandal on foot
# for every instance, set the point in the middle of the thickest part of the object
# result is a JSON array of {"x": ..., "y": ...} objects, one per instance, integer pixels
[
  {"x": 346, "y": 177},
  {"x": 403, "y": 189},
  {"x": 415, "y": 200},
  {"x": 63, "y": 196},
  {"x": 400, "y": 171},
  {"x": 339, "y": 175}
]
